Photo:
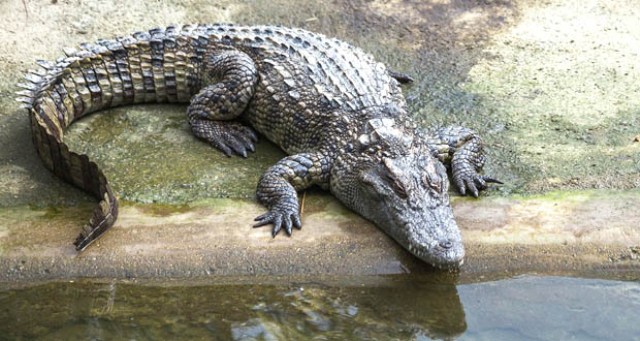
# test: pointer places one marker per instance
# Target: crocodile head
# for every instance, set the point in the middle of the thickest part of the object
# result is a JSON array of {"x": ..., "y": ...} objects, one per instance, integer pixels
[{"x": 406, "y": 196}]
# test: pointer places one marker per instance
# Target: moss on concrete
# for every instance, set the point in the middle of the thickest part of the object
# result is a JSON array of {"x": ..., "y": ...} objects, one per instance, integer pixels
[
  {"x": 150, "y": 155},
  {"x": 563, "y": 93}
]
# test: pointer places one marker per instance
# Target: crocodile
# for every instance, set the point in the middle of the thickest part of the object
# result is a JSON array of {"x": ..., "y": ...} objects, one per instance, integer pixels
[{"x": 338, "y": 113}]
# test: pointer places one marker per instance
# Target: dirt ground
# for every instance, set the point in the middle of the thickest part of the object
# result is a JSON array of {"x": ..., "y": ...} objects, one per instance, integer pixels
[{"x": 553, "y": 87}]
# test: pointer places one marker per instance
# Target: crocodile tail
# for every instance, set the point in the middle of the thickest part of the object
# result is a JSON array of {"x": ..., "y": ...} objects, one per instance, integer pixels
[
  {"x": 155, "y": 66},
  {"x": 51, "y": 112}
]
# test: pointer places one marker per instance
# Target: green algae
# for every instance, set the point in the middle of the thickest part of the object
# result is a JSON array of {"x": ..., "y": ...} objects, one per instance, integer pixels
[
  {"x": 580, "y": 195},
  {"x": 159, "y": 160},
  {"x": 567, "y": 196},
  {"x": 212, "y": 205},
  {"x": 163, "y": 210}
]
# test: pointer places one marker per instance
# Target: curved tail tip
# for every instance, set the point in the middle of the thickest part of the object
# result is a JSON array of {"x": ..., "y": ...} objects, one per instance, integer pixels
[{"x": 104, "y": 216}]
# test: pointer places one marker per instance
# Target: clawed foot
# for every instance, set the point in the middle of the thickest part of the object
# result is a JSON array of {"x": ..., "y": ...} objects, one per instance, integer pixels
[
  {"x": 466, "y": 178},
  {"x": 286, "y": 216},
  {"x": 229, "y": 137},
  {"x": 236, "y": 139}
]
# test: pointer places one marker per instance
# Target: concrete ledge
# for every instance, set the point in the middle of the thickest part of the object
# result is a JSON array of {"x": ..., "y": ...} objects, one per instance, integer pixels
[{"x": 584, "y": 233}]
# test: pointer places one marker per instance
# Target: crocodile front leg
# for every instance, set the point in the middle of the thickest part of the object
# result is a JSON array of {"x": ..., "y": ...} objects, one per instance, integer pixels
[
  {"x": 232, "y": 76},
  {"x": 462, "y": 149},
  {"x": 278, "y": 186}
]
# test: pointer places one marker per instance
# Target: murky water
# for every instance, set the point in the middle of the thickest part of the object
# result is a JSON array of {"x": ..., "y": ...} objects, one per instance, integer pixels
[{"x": 396, "y": 308}]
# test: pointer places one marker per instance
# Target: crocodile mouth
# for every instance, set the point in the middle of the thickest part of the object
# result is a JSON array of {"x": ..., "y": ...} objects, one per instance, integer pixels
[
  {"x": 443, "y": 249},
  {"x": 442, "y": 255}
]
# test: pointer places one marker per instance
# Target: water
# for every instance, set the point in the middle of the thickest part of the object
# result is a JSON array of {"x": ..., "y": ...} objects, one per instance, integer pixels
[{"x": 387, "y": 308}]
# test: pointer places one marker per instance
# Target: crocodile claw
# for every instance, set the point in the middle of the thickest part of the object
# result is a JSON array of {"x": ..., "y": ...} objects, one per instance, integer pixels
[
  {"x": 488, "y": 179},
  {"x": 474, "y": 184},
  {"x": 236, "y": 140},
  {"x": 280, "y": 217},
  {"x": 402, "y": 78},
  {"x": 231, "y": 138}
]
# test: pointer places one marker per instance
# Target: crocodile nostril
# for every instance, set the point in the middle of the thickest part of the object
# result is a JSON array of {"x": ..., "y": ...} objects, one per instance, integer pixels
[{"x": 446, "y": 245}]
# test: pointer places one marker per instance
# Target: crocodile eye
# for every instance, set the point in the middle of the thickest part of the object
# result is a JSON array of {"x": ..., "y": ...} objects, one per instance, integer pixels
[
  {"x": 434, "y": 177},
  {"x": 433, "y": 181},
  {"x": 398, "y": 187}
]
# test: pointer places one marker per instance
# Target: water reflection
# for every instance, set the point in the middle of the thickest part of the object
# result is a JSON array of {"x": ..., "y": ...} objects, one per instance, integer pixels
[
  {"x": 391, "y": 308},
  {"x": 387, "y": 308}
]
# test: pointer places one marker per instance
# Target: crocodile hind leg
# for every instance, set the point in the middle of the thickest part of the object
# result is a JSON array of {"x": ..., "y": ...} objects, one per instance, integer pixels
[
  {"x": 462, "y": 149},
  {"x": 232, "y": 77}
]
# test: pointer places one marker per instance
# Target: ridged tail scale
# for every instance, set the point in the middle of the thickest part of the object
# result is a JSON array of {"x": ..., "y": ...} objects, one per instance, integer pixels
[{"x": 155, "y": 66}]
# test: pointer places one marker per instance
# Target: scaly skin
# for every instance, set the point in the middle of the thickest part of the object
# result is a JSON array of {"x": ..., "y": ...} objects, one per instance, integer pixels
[{"x": 338, "y": 113}]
